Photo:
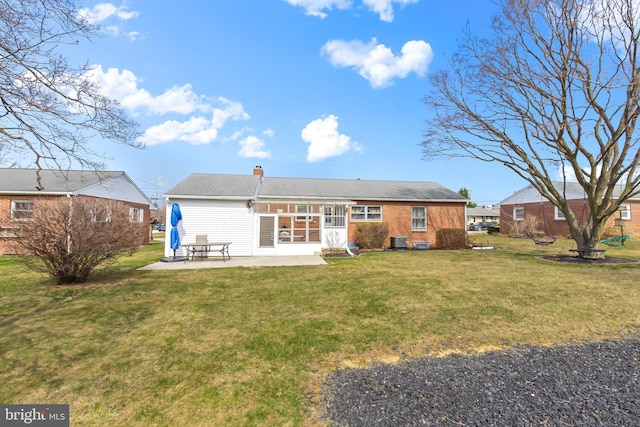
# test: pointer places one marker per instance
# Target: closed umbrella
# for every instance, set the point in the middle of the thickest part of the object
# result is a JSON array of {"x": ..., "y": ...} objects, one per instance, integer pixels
[
  {"x": 174, "y": 242},
  {"x": 176, "y": 216}
]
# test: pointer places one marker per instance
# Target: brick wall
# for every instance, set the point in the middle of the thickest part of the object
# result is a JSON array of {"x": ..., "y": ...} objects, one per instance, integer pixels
[
  {"x": 545, "y": 214},
  {"x": 6, "y": 246},
  {"x": 397, "y": 215}
]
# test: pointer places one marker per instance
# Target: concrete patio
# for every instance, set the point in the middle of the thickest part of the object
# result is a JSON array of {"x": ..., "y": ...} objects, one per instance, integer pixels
[{"x": 254, "y": 261}]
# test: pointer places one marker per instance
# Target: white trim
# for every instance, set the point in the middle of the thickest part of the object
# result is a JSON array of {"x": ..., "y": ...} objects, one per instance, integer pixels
[
  {"x": 423, "y": 218},
  {"x": 515, "y": 215},
  {"x": 626, "y": 212}
]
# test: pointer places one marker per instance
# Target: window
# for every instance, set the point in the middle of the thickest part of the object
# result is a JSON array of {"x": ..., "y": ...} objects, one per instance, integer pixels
[
  {"x": 366, "y": 213},
  {"x": 558, "y": 214},
  {"x": 8, "y": 232},
  {"x": 135, "y": 215},
  {"x": 418, "y": 218},
  {"x": 334, "y": 216},
  {"x": 518, "y": 214},
  {"x": 290, "y": 230},
  {"x": 625, "y": 212},
  {"x": 302, "y": 209},
  {"x": 22, "y": 209}
]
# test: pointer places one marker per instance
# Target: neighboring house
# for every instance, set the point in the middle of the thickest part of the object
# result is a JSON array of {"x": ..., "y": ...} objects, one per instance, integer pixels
[
  {"x": 481, "y": 215},
  {"x": 528, "y": 205},
  {"x": 18, "y": 194},
  {"x": 291, "y": 216}
]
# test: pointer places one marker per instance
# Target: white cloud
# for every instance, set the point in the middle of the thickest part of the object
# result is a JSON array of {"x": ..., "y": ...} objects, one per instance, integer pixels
[
  {"x": 196, "y": 130},
  {"x": 325, "y": 141},
  {"x": 134, "y": 35},
  {"x": 123, "y": 86},
  {"x": 253, "y": 147},
  {"x": 384, "y": 8},
  {"x": 103, "y": 11},
  {"x": 210, "y": 117},
  {"x": 315, "y": 7},
  {"x": 376, "y": 62}
]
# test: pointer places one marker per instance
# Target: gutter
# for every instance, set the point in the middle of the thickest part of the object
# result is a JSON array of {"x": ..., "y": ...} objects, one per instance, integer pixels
[{"x": 233, "y": 198}]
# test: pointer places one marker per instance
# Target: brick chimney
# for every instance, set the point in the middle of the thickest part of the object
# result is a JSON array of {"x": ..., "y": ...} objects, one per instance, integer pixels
[{"x": 258, "y": 171}]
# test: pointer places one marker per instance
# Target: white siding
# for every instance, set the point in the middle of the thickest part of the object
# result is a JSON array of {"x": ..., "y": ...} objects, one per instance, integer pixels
[{"x": 221, "y": 221}]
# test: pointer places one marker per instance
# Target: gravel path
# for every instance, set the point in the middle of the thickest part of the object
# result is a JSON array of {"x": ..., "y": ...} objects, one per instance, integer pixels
[{"x": 592, "y": 384}]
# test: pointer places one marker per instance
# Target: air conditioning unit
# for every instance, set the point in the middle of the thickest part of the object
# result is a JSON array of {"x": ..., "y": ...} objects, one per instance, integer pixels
[{"x": 399, "y": 242}]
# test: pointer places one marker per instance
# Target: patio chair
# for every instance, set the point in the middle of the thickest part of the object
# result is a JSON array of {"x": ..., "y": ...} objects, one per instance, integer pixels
[{"x": 201, "y": 247}]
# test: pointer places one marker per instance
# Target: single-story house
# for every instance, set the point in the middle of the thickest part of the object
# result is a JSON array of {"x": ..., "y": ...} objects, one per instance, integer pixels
[
  {"x": 19, "y": 189},
  {"x": 528, "y": 205},
  {"x": 265, "y": 216},
  {"x": 482, "y": 214}
]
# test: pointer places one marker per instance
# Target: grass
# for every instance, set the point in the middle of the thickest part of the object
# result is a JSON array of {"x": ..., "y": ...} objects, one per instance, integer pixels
[{"x": 249, "y": 346}]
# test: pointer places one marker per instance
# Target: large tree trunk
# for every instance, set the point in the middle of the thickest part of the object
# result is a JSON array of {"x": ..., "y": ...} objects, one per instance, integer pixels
[{"x": 588, "y": 238}]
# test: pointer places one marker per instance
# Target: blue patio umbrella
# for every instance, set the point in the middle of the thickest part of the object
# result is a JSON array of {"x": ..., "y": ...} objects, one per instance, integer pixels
[{"x": 176, "y": 216}]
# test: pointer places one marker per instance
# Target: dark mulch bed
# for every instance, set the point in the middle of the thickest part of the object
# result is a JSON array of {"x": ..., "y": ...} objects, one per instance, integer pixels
[
  {"x": 592, "y": 384},
  {"x": 569, "y": 259}
]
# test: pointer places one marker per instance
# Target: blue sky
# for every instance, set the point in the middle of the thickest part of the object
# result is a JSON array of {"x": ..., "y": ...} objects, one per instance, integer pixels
[{"x": 304, "y": 88}]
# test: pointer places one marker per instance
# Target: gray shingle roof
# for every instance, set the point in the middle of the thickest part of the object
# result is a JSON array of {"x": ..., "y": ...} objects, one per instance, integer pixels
[
  {"x": 482, "y": 212},
  {"x": 220, "y": 186},
  {"x": 572, "y": 190},
  {"x": 245, "y": 186},
  {"x": 24, "y": 181}
]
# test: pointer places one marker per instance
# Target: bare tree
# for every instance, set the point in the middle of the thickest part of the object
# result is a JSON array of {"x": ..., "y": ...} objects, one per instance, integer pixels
[
  {"x": 555, "y": 89},
  {"x": 49, "y": 109},
  {"x": 68, "y": 237}
]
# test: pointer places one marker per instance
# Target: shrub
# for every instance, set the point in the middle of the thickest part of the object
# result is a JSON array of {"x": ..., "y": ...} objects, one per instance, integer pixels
[
  {"x": 371, "y": 235},
  {"x": 451, "y": 238},
  {"x": 68, "y": 237},
  {"x": 494, "y": 229},
  {"x": 529, "y": 225}
]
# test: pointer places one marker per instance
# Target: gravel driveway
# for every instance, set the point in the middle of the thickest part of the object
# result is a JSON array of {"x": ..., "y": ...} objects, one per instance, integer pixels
[{"x": 591, "y": 384}]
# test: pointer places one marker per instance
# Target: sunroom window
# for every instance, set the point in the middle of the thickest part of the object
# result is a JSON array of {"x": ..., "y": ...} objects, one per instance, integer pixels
[{"x": 334, "y": 216}]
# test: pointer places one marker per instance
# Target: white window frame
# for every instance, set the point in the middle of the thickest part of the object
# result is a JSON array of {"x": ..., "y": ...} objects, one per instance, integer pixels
[
  {"x": 517, "y": 217},
  {"x": 302, "y": 209},
  {"x": 20, "y": 217},
  {"x": 9, "y": 232},
  {"x": 135, "y": 214},
  {"x": 625, "y": 211},
  {"x": 415, "y": 218},
  {"x": 366, "y": 212},
  {"x": 558, "y": 215},
  {"x": 335, "y": 215}
]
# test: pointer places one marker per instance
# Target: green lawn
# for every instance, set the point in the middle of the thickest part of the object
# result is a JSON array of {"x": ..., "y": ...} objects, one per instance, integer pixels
[{"x": 249, "y": 346}]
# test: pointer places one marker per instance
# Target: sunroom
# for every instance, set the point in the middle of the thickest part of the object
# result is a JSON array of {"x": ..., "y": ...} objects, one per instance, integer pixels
[{"x": 284, "y": 226}]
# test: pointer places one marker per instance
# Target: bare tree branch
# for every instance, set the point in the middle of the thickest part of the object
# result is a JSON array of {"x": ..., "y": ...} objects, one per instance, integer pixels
[
  {"x": 49, "y": 107},
  {"x": 556, "y": 86}
]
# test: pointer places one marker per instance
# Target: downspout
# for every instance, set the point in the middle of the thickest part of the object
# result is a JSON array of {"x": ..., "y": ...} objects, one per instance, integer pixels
[
  {"x": 255, "y": 194},
  {"x": 346, "y": 224},
  {"x": 69, "y": 225}
]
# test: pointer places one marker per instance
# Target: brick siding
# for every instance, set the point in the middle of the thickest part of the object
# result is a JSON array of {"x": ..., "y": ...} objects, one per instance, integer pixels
[
  {"x": 6, "y": 246},
  {"x": 397, "y": 215},
  {"x": 545, "y": 215}
]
